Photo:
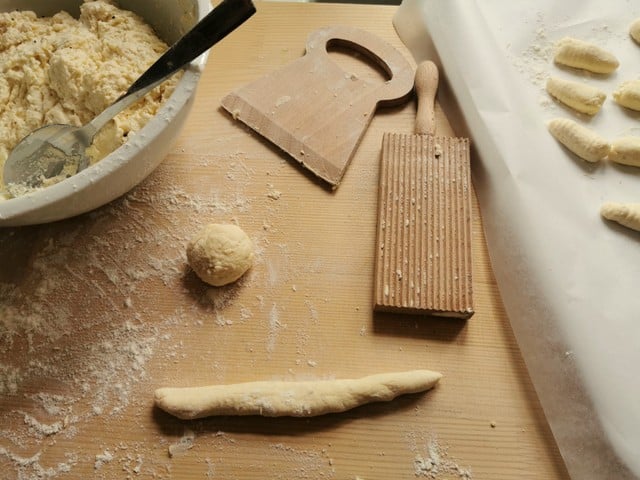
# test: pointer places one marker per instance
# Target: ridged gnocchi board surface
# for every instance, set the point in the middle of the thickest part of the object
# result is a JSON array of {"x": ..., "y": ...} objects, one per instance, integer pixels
[
  {"x": 316, "y": 111},
  {"x": 423, "y": 251}
]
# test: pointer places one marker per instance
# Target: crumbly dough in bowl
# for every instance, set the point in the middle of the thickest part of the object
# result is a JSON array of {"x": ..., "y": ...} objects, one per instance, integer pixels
[{"x": 60, "y": 69}]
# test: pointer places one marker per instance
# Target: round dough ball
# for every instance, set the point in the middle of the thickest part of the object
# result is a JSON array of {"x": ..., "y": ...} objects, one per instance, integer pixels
[{"x": 220, "y": 253}]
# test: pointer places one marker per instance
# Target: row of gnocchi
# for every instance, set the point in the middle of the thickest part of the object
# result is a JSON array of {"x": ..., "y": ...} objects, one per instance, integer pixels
[
  {"x": 587, "y": 99},
  {"x": 582, "y": 55}
]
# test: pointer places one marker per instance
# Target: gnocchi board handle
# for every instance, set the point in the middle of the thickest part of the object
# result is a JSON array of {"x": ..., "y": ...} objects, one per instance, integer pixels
[
  {"x": 400, "y": 84},
  {"x": 426, "y": 86}
]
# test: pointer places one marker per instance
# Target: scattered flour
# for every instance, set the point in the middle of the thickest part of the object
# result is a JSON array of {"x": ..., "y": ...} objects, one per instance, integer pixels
[
  {"x": 434, "y": 462},
  {"x": 534, "y": 61},
  {"x": 102, "y": 458},
  {"x": 283, "y": 100},
  {"x": 42, "y": 429},
  {"x": 10, "y": 379},
  {"x": 303, "y": 464},
  {"x": 115, "y": 336},
  {"x": 111, "y": 336},
  {"x": 274, "y": 328},
  {"x": 273, "y": 193},
  {"x": 29, "y": 467}
]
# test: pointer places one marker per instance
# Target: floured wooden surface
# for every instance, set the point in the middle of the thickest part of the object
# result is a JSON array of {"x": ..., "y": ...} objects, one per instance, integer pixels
[
  {"x": 317, "y": 111},
  {"x": 98, "y": 311}
]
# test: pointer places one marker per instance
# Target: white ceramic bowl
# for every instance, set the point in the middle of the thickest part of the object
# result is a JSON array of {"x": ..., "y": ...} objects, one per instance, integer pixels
[{"x": 127, "y": 166}]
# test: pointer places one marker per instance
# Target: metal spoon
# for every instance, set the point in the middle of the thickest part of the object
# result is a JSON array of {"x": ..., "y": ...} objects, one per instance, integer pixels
[{"x": 53, "y": 149}]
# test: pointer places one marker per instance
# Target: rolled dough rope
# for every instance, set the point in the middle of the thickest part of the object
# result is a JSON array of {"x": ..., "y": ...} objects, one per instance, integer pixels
[{"x": 293, "y": 399}]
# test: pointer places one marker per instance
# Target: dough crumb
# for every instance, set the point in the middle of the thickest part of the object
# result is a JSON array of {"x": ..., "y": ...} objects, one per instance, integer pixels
[
  {"x": 183, "y": 445},
  {"x": 274, "y": 194},
  {"x": 102, "y": 458}
]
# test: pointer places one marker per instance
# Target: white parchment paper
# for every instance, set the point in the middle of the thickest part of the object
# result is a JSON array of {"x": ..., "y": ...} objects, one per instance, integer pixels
[{"x": 569, "y": 279}]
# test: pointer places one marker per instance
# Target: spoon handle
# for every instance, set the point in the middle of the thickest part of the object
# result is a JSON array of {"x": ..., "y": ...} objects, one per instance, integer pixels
[{"x": 216, "y": 25}]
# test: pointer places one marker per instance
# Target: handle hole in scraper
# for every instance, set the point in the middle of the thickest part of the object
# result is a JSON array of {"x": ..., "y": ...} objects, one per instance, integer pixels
[{"x": 357, "y": 61}]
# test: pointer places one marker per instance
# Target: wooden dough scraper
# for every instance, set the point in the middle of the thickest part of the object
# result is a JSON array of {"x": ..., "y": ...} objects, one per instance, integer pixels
[
  {"x": 423, "y": 250},
  {"x": 316, "y": 111}
]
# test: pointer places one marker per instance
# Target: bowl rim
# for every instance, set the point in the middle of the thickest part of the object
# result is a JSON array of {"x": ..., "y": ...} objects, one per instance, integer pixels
[{"x": 13, "y": 208}]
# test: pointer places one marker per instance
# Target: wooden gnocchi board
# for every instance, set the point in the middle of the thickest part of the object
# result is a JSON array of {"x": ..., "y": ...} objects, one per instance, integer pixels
[{"x": 423, "y": 243}]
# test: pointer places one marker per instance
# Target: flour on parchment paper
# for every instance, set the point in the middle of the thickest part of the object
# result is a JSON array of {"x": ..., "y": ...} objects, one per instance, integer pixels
[
  {"x": 535, "y": 59},
  {"x": 102, "y": 459}
]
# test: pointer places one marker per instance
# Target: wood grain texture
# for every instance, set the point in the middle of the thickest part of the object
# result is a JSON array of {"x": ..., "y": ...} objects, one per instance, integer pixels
[
  {"x": 426, "y": 82},
  {"x": 315, "y": 110},
  {"x": 423, "y": 256},
  {"x": 423, "y": 249},
  {"x": 121, "y": 314}
]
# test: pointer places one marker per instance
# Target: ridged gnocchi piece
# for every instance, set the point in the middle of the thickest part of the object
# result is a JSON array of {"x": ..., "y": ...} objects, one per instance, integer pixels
[
  {"x": 634, "y": 30},
  {"x": 628, "y": 94},
  {"x": 582, "y": 141},
  {"x": 586, "y": 56},
  {"x": 626, "y": 214},
  {"x": 577, "y": 95},
  {"x": 626, "y": 150}
]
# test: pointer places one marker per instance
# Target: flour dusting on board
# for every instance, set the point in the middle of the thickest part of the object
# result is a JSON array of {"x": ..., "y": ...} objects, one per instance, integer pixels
[
  {"x": 111, "y": 336},
  {"x": 304, "y": 464},
  {"x": 432, "y": 460}
]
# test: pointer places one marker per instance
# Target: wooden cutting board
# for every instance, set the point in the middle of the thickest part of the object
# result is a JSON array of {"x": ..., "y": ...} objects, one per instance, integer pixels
[
  {"x": 316, "y": 111},
  {"x": 106, "y": 311}
]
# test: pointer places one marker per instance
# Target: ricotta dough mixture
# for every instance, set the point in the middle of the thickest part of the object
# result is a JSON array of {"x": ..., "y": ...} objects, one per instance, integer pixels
[{"x": 64, "y": 70}]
